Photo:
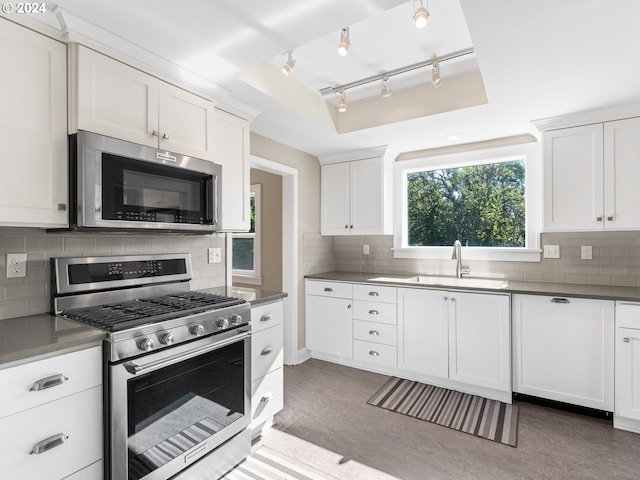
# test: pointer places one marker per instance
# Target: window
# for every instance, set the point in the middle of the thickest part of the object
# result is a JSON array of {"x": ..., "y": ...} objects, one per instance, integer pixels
[
  {"x": 487, "y": 200},
  {"x": 247, "y": 246}
]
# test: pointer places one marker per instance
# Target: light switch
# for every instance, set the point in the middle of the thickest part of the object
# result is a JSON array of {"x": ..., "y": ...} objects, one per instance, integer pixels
[
  {"x": 365, "y": 249},
  {"x": 215, "y": 255}
]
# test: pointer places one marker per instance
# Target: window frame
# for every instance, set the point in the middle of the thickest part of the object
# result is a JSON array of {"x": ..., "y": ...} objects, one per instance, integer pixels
[
  {"x": 252, "y": 277},
  {"x": 528, "y": 152}
]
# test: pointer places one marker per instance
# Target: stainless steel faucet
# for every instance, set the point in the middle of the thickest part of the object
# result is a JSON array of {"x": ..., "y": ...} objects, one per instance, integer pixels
[{"x": 457, "y": 255}]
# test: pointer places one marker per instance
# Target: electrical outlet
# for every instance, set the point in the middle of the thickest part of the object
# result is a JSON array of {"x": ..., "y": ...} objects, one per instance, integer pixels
[
  {"x": 586, "y": 252},
  {"x": 551, "y": 251},
  {"x": 16, "y": 265},
  {"x": 365, "y": 249},
  {"x": 215, "y": 255}
]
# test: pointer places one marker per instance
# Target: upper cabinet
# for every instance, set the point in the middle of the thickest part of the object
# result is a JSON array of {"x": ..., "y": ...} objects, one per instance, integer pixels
[
  {"x": 590, "y": 176},
  {"x": 33, "y": 118},
  {"x": 356, "y": 192},
  {"x": 120, "y": 101}
]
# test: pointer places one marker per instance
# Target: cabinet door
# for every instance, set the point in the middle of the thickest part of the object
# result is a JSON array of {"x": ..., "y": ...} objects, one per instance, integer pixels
[
  {"x": 329, "y": 326},
  {"x": 423, "y": 331},
  {"x": 573, "y": 178},
  {"x": 335, "y": 199},
  {"x": 564, "y": 349},
  {"x": 621, "y": 174},
  {"x": 628, "y": 374},
  {"x": 116, "y": 100},
  {"x": 479, "y": 340},
  {"x": 366, "y": 196},
  {"x": 231, "y": 150},
  {"x": 33, "y": 133},
  {"x": 186, "y": 122}
]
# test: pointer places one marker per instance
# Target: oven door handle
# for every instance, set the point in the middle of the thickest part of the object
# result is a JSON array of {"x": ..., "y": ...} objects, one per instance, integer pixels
[{"x": 138, "y": 369}]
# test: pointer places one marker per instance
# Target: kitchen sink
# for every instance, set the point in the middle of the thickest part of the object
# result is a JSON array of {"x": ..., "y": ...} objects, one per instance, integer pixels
[{"x": 440, "y": 281}]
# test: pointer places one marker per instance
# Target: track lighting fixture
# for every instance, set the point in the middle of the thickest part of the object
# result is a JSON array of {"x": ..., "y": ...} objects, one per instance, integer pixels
[
  {"x": 386, "y": 90},
  {"x": 436, "y": 79},
  {"x": 342, "y": 106},
  {"x": 290, "y": 63},
  {"x": 421, "y": 15},
  {"x": 343, "y": 47}
]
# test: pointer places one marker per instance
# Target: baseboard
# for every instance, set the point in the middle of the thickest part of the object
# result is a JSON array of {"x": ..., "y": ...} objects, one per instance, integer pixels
[
  {"x": 628, "y": 424},
  {"x": 304, "y": 354}
]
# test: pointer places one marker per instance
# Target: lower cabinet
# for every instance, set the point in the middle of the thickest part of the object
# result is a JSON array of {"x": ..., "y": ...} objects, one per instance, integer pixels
[
  {"x": 266, "y": 364},
  {"x": 459, "y": 336},
  {"x": 627, "y": 407},
  {"x": 52, "y": 427},
  {"x": 563, "y": 349}
]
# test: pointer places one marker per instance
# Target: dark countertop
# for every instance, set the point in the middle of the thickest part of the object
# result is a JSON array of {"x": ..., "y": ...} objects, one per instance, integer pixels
[
  {"x": 603, "y": 292},
  {"x": 255, "y": 296},
  {"x": 33, "y": 337}
]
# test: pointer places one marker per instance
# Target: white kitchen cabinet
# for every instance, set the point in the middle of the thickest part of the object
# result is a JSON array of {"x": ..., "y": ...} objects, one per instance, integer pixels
[
  {"x": 329, "y": 328},
  {"x": 120, "y": 101},
  {"x": 356, "y": 193},
  {"x": 267, "y": 396},
  {"x": 231, "y": 139},
  {"x": 563, "y": 349},
  {"x": 590, "y": 176},
  {"x": 60, "y": 401},
  {"x": 627, "y": 367},
  {"x": 459, "y": 336},
  {"x": 33, "y": 135}
]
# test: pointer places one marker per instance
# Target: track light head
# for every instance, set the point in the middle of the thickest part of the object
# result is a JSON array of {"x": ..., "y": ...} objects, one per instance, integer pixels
[
  {"x": 343, "y": 47},
  {"x": 386, "y": 90},
  {"x": 342, "y": 106},
  {"x": 436, "y": 79},
  {"x": 289, "y": 64},
  {"x": 420, "y": 16}
]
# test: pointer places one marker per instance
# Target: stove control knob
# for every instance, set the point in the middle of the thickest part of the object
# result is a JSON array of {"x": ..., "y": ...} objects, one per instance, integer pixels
[
  {"x": 145, "y": 344},
  {"x": 222, "y": 323},
  {"x": 235, "y": 319},
  {"x": 167, "y": 338},
  {"x": 196, "y": 330}
]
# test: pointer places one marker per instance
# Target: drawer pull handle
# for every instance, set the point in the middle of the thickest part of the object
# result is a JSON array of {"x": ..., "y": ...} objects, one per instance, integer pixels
[
  {"x": 266, "y": 351},
  {"x": 373, "y": 353},
  {"x": 328, "y": 289},
  {"x": 374, "y": 332},
  {"x": 559, "y": 300},
  {"x": 48, "y": 382},
  {"x": 266, "y": 398},
  {"x": 599, "y": 219},
  {"x": 625, "y": 339},
  {"x": 49, "y": 443},
  {"x": 266, "y": 318},
  {"x": 374, "y": 312},
  {"x": 374, "y": 294}
]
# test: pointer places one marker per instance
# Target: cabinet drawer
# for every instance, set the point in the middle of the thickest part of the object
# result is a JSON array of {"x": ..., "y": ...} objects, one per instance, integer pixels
[
  {"x": 329, "y": 289},
  {"x": 78, "y": 417},
  {"x": 94, "y": 471},
  {"x": 82, "y": 370},
  {"x": 628, "y": 316},
  {"x": 375, "y": 332},
  {"x": 266, "y": 396},
  {"x": 266, "y": 316},
  {"x": 384, "y": 355},
  {"x": 374, "y": 311},
  {"x": 266, "y": 351},
  {"x": 375, "y": 293}
]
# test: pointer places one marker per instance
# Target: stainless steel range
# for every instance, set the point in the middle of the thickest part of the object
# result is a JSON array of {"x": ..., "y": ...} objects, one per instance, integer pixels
[{"x": 177, "y": 362}]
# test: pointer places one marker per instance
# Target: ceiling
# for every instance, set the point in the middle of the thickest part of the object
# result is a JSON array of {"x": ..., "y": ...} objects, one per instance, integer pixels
[{"x": 531, "y": 60}]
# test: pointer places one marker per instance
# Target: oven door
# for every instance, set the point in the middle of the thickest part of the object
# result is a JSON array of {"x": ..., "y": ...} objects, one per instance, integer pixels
[{"x": 167, "y": 410}]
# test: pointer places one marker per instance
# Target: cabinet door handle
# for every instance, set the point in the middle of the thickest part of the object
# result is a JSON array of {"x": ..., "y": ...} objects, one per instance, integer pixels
[
  {"x": 346, "y": 226},
  {"x": 625, "y": 340},
  {"x": 373, "y": 353},
  {"x": 598, "y": 219},
  {"x": 266, "y": 398},
  {"x": 266, "y": 318},
  {"x": 48, "y": 382},
  {"x": 154, "y": 133},
  {"x": 266, "y": 351},
  {"x": 165, "y": 136},
  {"x": 560, "y": 300},
  {"x": 444, "y": 299},
  {"x": 351, "y": 226},
  {"x": 349, "y": 306},
  {"x": 49, "y": 443},
  {"x": 328, "y": 289},
  {"x": 374, "y": 312},
  {"x": 62, "y": 207},
  {"x": 451, "y": 300},
  {"x": 374, "y": 332},
  {"x": 610, "y": 219},
  {"x": 374, "y": 294}
]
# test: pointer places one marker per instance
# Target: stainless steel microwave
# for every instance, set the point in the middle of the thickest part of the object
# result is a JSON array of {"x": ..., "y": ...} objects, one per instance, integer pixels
[{"x": 123, "y": 186}]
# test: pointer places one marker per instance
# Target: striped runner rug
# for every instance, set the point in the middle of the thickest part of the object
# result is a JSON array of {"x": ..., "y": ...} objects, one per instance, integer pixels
[{"x": 467, "y": 413}]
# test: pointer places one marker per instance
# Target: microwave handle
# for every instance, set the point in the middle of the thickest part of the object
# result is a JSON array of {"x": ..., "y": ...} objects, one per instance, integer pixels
[{"x": 211, "y": 207}]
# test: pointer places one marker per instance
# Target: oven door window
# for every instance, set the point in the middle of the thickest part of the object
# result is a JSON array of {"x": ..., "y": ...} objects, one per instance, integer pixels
[
  {"x": 175, "y": 408},
  {"x": 134, "y": 190}
]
